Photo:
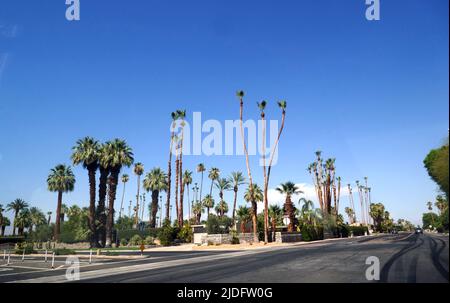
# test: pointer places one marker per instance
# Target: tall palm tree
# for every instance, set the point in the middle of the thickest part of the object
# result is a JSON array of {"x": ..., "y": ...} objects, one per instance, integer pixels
[
  {"x": 289, "y": 189},
  {"x": 214, "y": 174},
  {"x": 86, "y": 152},
  {"x": 208, "y": 202},
  {"x": 177, "y": 176},
  {"x": 61, "y": 180},
  {"x": 182, "y": 116},
  {"x": 17, "y": 205},
  {"x": 49, "y": 215},
  {"x": 338, "y": 193},
  {"x": 103, "y": 160},
  {"x": 3, "y": 226},
  {"x": 222, "y": 184},
  {"x": 352, "y": 204},
  {"x": 125, "y": 178},
  {"x": 174, "y": 117},
  {"x": 276, "y": 216},
  {"x": 37, "y": 217},
  {"x": 198, "y": 209},
  {"x": 201, "y": 169},
  {"x": 187, "y": 181},
  {"x": 254, "y": 194},
  {"x": 221, "y": 208},
  {"x": 120, "y": 155},
  {"x": 236, "y": 179},
  {"x": 361, "y": 202},
  {"x": 282, "y": 105},
  {"x": 244, "y": 216},
  {"x": 351, "y": 214},
  {"x": 138, "y": 171},
  {"x": 155, "y": 181}
]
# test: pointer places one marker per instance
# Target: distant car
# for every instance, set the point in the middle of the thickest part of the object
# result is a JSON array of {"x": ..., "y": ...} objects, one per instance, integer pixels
[
  {"x": 419, "y": 231},
  {"x": 394, "y": 232}
]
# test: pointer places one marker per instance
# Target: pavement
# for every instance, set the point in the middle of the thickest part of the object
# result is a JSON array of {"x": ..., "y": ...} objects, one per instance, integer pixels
[{"x": 404, "y": 258}]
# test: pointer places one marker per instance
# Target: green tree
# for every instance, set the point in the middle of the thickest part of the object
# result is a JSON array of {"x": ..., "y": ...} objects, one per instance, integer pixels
[
  {"x": 6, "y": 222},
  {"x": 289, "y": 189},
  {"x": 377, "y": 212},
  {"x": 276, "y": 217},
  {"x": 221, "y": 208},
  {"x": 17, "y": 205},
  {"x": 236, "y": 179},
  {"x": 155, "y": 181},
  {"x": 208, "y": 202},
  {"x": 201, "y": 169},
  {"x": 61, "y": 180},
  {"x": 436, "y": 163},
  {"x": 213, "y": 175},
  {"x": 244, "y": 216},
  {"x": 253, "y": 195},
  {"x": 37, "y": 218},
  {"x": 138, "y": 170}
]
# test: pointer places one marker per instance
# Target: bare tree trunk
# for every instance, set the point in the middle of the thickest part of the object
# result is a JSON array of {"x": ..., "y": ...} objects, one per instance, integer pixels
[
  {"x": 112, "y": 197},
  {"x": 91, "y": 218},
  {"x": 58, "y": 217}
]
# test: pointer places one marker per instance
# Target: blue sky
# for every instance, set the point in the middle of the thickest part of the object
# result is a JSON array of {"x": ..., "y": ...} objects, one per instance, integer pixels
[{"x": 374, "y": 95}]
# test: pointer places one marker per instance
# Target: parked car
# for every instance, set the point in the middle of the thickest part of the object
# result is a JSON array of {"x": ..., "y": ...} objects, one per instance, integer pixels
[{"x": 419, "y": 230}]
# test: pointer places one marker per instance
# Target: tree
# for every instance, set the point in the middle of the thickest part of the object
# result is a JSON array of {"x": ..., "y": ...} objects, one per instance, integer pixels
[
  {"x": 201, "y": 169},
  {"x": 174, "y": 117},
  {"x": 436, "y": 163},
  {"x": 86, "y": 152},
  {"x": 276, "y": 217},
  {"x": 208, "y": 202},
  {"x": 23, "y": 221},
  {"x": 49, "y": 214},
  {"x": 1, "y": 215},
  {"x": 6, "y": 222},
  {"x": 64, "y": 210},
  {"x": 377, "y": 212},
  {"x": 306, "y": 209},
  {"x": 221, "y": 208},
  {"x": 61, "y": 180},
  {"x": 254, "y": 194},
  {"x": 198, "y": 209},
  {"x": 429, "y": 219},
  {"x": 155, "y": 181},
  {"x": 262, "y": 107},
  {"x": 289, "y": 189},
  {"x": 214, "y": 174},
  {"x": 236, "y": 179},
  {"x": 222, "y": 185},
  {"x": 120, "y": 155},
  {"x": 138, "y": 171},
  {"x": 103, "y": 160},
  {"x": 244, "y": 216},
  {"x": 181, "y": 116},
  {"x": 16, "y": 206},
  {"x": 37, "y": 218},
  {"x": 351, "y": 214},
  {"x": 125, "y": 178},
  {"x": 187, "y": 181}
]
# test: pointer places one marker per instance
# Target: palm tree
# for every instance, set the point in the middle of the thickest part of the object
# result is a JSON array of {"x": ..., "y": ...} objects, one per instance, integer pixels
[
  {"x": 201, "y": 169},
  {"x": 37, "y": 218},
  {"x": 1, "y": 215},
  {"x": 16, "y": 206},
  {"x": 120, "y": 155},
  {"x": 125, "y": 178},
  {"x": 307, "y": 209},
  {"x": 276, "y": 216},
  {"x": 282, "y": 105},
  {"x": 187, "y": 181},
  {"x": 86, "y": 152},
  {"x": 23, "y": 221},
  {"x": 61, "y": 180},
  {"x": 243, "y": 214},
  {"x": 254, "y": 195},
  {"x": 221, "y": 208},
  {"x": 138, "y": 170},
  {"x": 289, "y": 189},
  {"x": 222, "y": 185},
  {"x": 208, "y": 202},
  {"x": 198, "y": 209},
  {"x": 236, "y": 179},
  {"x": 338, "y": 193},
  {"x": 169, "y": 168},
  {"x": 214, "y": 174},
  {"x": 5, "y": 223},
  {"x": 351, "y": 214},
  {"x": 361, "y": 202},
  {"x": 155, "y": 181},
  {"x": 177, "y": 176},
  {"x": 103, "y": 160},
  {"x": 64, "y": 210},
  {"x": 49, "y": 214},
  {"x": 182, "y": 116}
]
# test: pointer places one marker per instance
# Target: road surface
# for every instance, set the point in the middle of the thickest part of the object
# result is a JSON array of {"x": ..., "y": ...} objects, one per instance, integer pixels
[{"x": 405, "y": 258}]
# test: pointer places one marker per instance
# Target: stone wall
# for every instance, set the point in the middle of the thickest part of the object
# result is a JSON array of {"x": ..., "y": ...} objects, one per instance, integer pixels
[{"x": 288, "y": 237}]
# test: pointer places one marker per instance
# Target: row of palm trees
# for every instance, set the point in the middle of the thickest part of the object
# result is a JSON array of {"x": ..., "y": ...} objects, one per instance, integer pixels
[{"x": 25, "y": 217}]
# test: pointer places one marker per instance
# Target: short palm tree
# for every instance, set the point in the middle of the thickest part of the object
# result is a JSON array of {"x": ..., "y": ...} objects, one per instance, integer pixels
[
  {"x": 155, "y": 181},
  {"x": 350, "y": 213},
  {"x": 236, "y": 179},
  {"x": 23, "y": 221},
  {"x": 208, "y": 202},
  {"x": 86, "y": 152},
  {"x": 37, "y": 217},
  {"x": 253, "y": 195},
  {"x": 307, "y": 208},
  {"x": 198, "y": 209},
  {"x": 3, "y": 226},
  {"x": 187, "y": 181},
  {"x": 119, "y": 155},
  {"x": 221, "y": 208},
  {"x": 16, "y": 206},
  {"x": 244, "y": 216},
  {"x": 64, "y": 210},
  {"x": 61, "y": 180},
  {"x": 276, "y": 217},
  {"x": 289, "y": 189}
]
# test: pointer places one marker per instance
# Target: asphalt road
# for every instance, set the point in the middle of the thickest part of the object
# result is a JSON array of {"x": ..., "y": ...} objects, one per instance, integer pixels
[{"x": 406, "y": 258}]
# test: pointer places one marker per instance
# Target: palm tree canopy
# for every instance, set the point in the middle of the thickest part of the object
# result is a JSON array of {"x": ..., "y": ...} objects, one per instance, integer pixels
[
  {"x": 240, "y": 93},
  {"x": 243, "y": 213},
  {"x": 187, "y": 177},
  {"x": 308, "y": 205},
  {"x": 6, "y": 221},
  {"x": 253, "y": 193},
  {"x": 118, "y": 154},
  {"x": 17, "y": 205},
  {"x": 201, "y": 167},
  {"x": 86, "y": 151},
  {"x": 198, "y": 208},
  {"x": 37, "y": 216},
  {"x": 23, "y": 219},
  {"x": 156, "y": 179},
  {"x": 61, "y": 179},
  {"x": 289, "y": 188},
  {"x": 262, "y": 105},
  {"x": 223, "y": 184},
  {"x": 222, "y": 206},
  {"x": 282, "y": 104},
  {"x": 125, "y": 178},
  {"x": 208, "y": 201},
  {"x": 275, "y": 211},
  {"x": 237, "y": 178},
  {"x": 214, "y": 173},
  {"x": 138, "y": 168}
]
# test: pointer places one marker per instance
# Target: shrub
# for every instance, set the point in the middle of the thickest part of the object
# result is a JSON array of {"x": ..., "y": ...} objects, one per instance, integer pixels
[
  {"x": 123, "y": 242},
  {"x": 358, "y": 230},
  {"x": 28, "y": 247},
  {"x": 135, "y": 240},
  {"x": 217, "y": 225},
  {"x": 235, "y": 240},
  {"x": 149, "y": 240},
  {"x": 185, "y": 234},
  {"x": 63, "y": 251},
  {"x": 167, "y": 235}
]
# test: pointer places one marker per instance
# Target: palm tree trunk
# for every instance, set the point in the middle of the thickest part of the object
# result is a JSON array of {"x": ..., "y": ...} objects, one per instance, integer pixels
[
  {"x": 155, "y": 195},
  {"x": 112, "y": 197},
  {"x": 104, "y": 172},
  {"x": 273, "y": 229},
  {"x": 91, "y": 216},
  {"x": 177, "y": 180},
  {"x": 3, "y": 231},
  {"x": 266, "y": 202},
  {"x": 234, "y": 205},
  {"x": 58, "y": 217},
  {"x": 169, "y": 177},
  {"x": 136, "y": 217},
  {"x": 290, "y": 212},
  {"x": 121, "y": 203},
  {"x": 180, "y": 217},
  {"x": 255, "y": 221},
  {"x": 14, "y": 222},
  {"x": 201, "y": 187}
]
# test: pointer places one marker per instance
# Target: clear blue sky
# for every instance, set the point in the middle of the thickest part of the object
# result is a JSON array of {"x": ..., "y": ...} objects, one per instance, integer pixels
[{"x": 372, "y": 94}]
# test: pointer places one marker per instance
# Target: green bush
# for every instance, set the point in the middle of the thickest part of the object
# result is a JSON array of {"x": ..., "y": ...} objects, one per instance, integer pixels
[
  {"x": 128, "y": 234},
  {"x": 123, "y": 242},
  {"x": 149, "y": 240},
  {"x": 357, "y": 230},
  {"x": 185, "y": 234},
  {"x": 135, "y": 240},
  {"x": 28, "y": 247},
  {"x": 64, "y": 251},
  {"x": 235, "y": 240},
  {"x": 217, "y": 225},
  {"x": 167, "y": 234}
]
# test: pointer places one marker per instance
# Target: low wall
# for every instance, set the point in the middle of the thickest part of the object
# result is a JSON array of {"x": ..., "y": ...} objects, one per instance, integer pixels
[
  {"x": 216, "y": 239},
  {"x": 288, "y": 237}
]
